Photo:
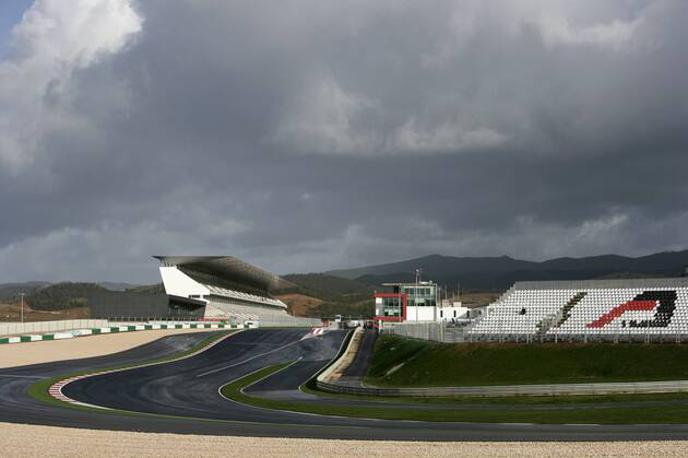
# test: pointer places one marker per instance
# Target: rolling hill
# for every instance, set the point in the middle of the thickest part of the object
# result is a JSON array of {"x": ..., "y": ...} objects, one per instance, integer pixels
[
  {"x": 498, "y": 273},
  {"x": 328, "y": 295},
  {"x": 11, "y": 291}
]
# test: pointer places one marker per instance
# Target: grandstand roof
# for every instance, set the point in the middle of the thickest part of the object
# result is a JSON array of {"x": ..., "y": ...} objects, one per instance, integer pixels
[
  {"x": 230, "y": 268},
  {"x": 603, "y": 283}
]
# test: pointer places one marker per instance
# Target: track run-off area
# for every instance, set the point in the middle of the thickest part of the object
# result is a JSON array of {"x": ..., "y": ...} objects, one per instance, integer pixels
[{"x": 184, "y": 395}]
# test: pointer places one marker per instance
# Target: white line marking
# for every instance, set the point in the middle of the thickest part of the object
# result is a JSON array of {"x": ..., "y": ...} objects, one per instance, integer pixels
[{"x": 220, "y": 369}]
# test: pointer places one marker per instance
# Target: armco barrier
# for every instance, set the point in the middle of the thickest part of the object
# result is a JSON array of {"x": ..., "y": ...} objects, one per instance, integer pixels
[
  {"x": 116, "y": 329},
  {"x": 572, "y": 389}
]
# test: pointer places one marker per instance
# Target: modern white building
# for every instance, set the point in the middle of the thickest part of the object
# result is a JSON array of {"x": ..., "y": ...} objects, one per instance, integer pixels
[
  {"x": 229, "y": 287},
  {"x": 414, "y": 302}
]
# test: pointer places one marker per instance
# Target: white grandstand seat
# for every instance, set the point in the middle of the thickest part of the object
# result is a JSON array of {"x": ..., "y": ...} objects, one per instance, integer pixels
[{"x": 604, "y": 309}]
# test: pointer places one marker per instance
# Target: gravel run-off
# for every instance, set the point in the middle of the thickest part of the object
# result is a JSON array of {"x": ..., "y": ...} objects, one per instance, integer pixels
[{"x": 28, "y": 440}]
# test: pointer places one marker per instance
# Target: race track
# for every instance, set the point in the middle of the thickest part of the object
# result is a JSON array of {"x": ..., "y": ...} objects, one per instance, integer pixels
[{"x": 184, "y": 396}]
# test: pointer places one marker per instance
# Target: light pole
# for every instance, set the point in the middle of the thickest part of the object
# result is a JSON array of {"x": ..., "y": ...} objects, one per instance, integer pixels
[{"x": 22, "y": 306}]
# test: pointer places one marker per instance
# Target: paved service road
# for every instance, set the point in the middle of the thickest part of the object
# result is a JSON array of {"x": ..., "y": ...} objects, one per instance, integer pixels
[{"x": 186, "y": 392}]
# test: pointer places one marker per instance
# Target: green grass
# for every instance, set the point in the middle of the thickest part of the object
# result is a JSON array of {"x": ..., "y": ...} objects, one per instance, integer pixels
[
  {"x": 421, "y": 363},
  {"x": 39, "y": 390},
  {"x": 607, "y": 414}
]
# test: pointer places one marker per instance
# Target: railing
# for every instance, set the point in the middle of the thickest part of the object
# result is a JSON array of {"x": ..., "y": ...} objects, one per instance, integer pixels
[
  {"x": 427, "y": 331},
  {"x": 441, "y": 332}
]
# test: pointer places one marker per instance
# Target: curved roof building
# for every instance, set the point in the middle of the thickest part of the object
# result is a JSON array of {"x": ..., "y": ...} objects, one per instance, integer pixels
[
  {"x": 228, "y": 268},
  {"x": 230, "y": 287}
]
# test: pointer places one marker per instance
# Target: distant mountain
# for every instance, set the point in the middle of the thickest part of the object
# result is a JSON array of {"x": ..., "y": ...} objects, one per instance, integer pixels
[
  {"x": 157, "y": 288},
  {"x": 117, "y": 286},
  {"x": 11, "y": 291},
  {"x": 329, "y": 287},
  {"x": 498, "y": 273}
]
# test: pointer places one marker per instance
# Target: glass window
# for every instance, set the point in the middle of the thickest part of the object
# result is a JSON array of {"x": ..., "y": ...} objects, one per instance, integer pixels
[{"x": 391, "y": 306}]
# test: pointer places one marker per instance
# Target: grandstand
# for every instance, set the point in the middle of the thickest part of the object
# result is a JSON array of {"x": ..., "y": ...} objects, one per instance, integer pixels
[
  {"x": 230, "y": 288},
  {"x": 617, "y": 310}
]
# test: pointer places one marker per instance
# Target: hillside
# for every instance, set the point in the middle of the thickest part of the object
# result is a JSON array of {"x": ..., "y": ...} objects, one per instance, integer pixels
[
  {"x": 335, "y": 295},
  {"x": 61, "y": 296},
  {"x": 329, "y": 287},
  {"x": 12, "y": 313},
  {"x": 399, "y": 361},
  {"x": 300, "y": 304},
  {"x": 11, "y": 291},
  {"x": 498, "y": 273},
  {"x": 157, "y": 288},
  {"x": 117, "y": 286}
]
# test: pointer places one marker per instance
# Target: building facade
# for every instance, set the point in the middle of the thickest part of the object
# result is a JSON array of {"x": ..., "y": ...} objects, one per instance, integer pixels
[
  {"x": 229, "y": 287},
  {"x": 408, "y": 302}
]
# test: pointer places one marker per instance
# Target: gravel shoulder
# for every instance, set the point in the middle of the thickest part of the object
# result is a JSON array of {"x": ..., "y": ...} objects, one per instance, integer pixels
[
  {"x": 29, "y": 440},
  {"x": 13, "y": 355}
]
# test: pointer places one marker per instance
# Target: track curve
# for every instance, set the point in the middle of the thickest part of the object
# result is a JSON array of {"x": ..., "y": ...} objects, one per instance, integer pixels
[{"x": 184, "y": 395}]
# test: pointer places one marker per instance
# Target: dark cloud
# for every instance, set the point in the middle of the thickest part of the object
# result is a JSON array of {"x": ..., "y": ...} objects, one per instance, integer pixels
[{"x": 319, "y": 135}]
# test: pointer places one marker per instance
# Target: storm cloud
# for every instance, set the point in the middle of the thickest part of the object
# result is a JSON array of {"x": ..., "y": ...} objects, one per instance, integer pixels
[{"x": 307, "y": 135}]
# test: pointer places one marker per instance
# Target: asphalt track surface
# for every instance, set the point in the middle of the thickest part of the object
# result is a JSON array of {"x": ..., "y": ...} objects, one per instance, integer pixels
[
  {"x": 359, "y": 366},
  {"x": 184, "y": 395}
]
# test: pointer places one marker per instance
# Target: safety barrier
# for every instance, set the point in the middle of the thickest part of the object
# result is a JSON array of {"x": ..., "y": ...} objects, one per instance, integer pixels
[
  {"x": 125, "y": 328},
  {"x": 573, "y": 389},
  {"x": 42, "y": 327}
]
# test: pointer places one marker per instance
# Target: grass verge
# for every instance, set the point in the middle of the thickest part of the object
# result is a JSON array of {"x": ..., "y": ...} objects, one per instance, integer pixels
[
  {"x": 608, "y": 414},
  {"x": 404, "y": 362}
]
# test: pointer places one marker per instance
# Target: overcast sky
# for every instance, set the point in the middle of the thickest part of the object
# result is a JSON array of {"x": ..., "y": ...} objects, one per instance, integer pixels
[{"x": 309, "y": 135}]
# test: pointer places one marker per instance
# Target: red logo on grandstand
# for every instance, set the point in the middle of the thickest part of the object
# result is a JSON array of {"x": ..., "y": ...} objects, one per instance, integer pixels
[{"x": 662, "y": 302}]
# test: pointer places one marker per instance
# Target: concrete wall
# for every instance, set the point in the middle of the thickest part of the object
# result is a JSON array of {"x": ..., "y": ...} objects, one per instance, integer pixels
[
  {"x": 9, "y": 329},
  {"x": 422, "y": 314},
  {"x": 425, "y": 313}
]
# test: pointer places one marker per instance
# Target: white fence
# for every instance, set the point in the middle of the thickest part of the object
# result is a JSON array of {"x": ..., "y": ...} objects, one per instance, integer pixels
[
  {"x": 38, "y": 327},
  {"x": 426, "y": 331}
]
